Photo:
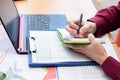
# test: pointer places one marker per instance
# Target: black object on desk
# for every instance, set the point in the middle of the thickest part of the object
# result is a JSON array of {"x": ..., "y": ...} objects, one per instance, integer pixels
[{"x": 2, "y": 75}]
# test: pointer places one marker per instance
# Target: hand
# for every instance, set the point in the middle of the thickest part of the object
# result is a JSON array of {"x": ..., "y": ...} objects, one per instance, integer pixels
[
  {"x": 87, "y": 27},
  {"x": 94, "y": 50}
]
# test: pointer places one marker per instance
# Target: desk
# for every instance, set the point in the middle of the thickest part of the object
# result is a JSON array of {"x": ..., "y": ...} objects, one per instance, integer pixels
[
  {"x": 15, "y": 64},
  {"x": 71, "y": 8},
  {"x": 114, "y": 45}
]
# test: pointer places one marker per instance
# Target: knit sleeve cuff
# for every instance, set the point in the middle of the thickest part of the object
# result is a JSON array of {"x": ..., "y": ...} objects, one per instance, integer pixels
[{"x": 111, "y": 67}]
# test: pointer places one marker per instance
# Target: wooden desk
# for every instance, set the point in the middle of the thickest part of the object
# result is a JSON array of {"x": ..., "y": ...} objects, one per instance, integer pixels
[
  {"x": 72, "y": 9},
  {"x": 114, "y": 45},
  {"x": 17, "y": 65}
]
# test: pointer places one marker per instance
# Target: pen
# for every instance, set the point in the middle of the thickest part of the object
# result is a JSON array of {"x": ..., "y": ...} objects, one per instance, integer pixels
[{"x": 79, "y": 23}]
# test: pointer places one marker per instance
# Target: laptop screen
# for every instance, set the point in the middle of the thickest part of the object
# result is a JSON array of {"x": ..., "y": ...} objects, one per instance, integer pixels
[{"x": 10, "y": 19}]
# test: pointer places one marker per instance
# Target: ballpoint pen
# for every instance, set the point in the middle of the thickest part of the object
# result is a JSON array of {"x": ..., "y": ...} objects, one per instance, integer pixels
[{"x": 79, "y": 23}]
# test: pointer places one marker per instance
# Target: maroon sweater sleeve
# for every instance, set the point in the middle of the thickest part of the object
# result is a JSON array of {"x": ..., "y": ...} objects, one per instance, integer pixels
[
  {"x": 112, "y": 68},
  {"x": 107, "y": 20}
]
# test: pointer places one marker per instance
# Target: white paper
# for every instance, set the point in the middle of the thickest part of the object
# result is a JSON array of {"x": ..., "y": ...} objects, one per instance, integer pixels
[
  {"x": 50, "y": 48},
  {"x": 82, "y": 73},
  {"x": 70, "y": 39},
  {"x": 87, "y": 72},
  {"x": 57, "y": 52},
  {"x": 15, "y": 66}
]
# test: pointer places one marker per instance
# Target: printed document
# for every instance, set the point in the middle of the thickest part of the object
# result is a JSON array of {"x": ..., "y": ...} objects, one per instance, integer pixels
[
  {"x": 50, "y": 49},
  {"x": 93, "y": 72}
]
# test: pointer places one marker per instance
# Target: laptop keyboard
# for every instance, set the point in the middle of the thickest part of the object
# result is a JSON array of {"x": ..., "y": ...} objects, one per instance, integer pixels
[{"x": 38, "y": 22}]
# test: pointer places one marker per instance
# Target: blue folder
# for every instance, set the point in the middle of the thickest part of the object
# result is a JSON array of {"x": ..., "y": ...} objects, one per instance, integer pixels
[{"x": 79, "y": 63}]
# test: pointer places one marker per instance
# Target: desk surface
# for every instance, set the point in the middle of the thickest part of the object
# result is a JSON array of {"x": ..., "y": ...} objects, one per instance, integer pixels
[
  {"x": 72, "y": 9},
  {"x": 17, "y": 65}
]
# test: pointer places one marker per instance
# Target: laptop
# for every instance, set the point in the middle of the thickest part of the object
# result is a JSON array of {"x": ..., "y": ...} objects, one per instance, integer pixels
[
  {"x": 39, "y": 40},
  {"x": 19, "y": 26}
]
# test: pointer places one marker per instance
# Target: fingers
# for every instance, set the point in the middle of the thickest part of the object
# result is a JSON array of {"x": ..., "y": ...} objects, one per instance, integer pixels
[
  {"x": 84, "y": 29},
  {"x": 93, "y": 40},
  {"x": 75, "y": 21},
  {"x": 73, "y": 24},
  {"x": 91, "y": 37},
  {"x": 72, "y": 28}
]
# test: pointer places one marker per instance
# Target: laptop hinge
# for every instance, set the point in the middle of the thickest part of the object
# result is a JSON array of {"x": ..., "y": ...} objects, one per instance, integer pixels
[{"x": 22, "y": 37}]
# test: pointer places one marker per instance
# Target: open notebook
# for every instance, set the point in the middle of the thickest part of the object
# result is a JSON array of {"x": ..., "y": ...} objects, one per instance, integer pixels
[{"x": 66, "y": 38}]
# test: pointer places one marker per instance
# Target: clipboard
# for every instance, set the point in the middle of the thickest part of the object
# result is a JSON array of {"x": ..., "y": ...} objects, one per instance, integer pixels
[
  {"x": 56, "y": 64},
  {"x": 61, "y": 56}
]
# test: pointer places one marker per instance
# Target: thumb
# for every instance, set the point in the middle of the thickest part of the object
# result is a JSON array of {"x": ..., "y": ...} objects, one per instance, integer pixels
[
  {"x": 91, "y": 37},
  {"x": 83, "y": 29}
]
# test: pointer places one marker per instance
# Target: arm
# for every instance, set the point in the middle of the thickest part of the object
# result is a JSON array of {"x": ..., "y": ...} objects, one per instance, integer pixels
[
  {"x": 97, "y": 52},
  {"x": 94, "y": 51},
  {"x": 104, "y": 21},
  {"x": 111, "y": 67},
  {"x": 107, "y": 20}
]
